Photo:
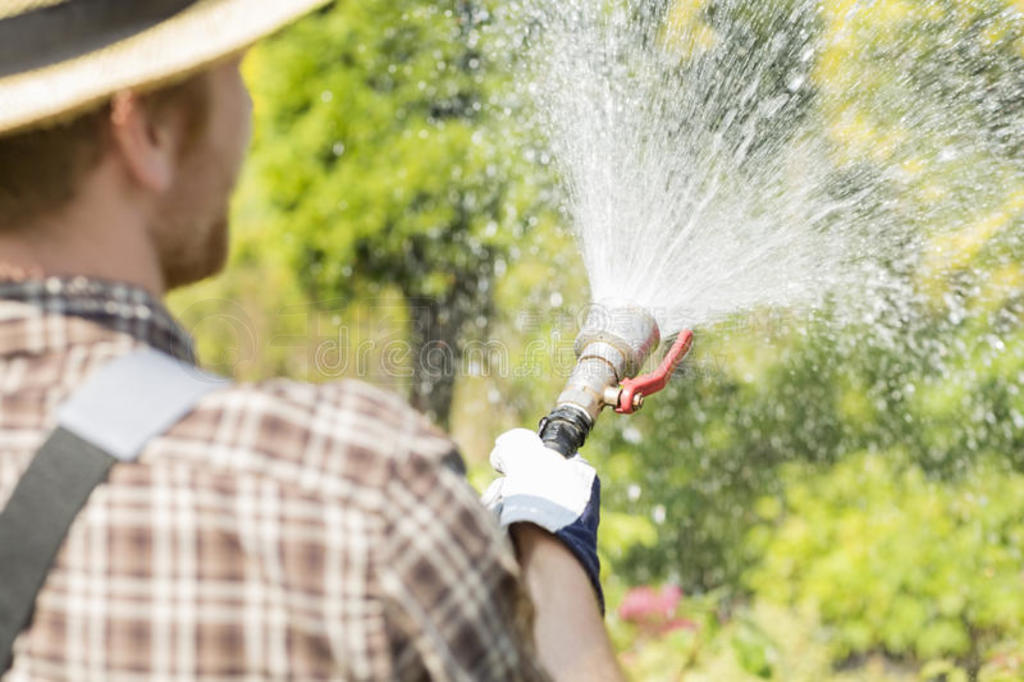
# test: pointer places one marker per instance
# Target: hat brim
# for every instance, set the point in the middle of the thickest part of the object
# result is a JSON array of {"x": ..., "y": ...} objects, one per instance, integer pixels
[{"x": 186, "y": 43}]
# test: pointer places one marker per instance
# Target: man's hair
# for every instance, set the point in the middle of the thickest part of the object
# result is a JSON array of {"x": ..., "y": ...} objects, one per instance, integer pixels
[{"x": 41, "y": 169}]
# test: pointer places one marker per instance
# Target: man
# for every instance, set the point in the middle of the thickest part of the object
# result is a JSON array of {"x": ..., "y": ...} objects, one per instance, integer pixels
[{"x": 272, "y": 531}]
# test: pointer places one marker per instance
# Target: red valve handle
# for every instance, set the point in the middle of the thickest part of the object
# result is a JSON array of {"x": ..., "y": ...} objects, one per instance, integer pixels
[{"x": 633, "y": 390}]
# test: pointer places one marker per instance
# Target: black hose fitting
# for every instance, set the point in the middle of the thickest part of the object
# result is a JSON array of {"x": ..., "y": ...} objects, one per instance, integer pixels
[{"x": 565, "y": 429}]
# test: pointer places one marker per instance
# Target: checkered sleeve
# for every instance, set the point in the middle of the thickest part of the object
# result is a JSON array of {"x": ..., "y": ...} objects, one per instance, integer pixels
[{"x": 456, "y": 608}]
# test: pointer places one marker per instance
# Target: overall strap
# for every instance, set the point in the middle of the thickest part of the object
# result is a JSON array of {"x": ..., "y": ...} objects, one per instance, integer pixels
[{"x": 109, "y": 419}]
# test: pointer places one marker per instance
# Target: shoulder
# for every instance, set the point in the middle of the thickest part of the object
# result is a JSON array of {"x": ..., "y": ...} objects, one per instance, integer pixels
[{"x": 331, "y": 437}]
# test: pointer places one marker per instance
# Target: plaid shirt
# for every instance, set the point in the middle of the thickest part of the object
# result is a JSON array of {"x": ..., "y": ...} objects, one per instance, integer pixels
[{"x": 282, "y": 531}]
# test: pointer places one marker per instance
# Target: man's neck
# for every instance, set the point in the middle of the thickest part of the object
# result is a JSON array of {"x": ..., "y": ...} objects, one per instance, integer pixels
[{"x": 94, "y": 236}]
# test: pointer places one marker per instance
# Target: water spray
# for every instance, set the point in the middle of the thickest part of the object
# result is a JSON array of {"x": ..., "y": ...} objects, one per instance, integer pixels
[{"x": 611, "y": 348}]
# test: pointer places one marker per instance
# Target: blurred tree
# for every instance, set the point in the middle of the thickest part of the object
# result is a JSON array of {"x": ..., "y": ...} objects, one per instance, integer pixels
[{"x": 379, "y": 164}]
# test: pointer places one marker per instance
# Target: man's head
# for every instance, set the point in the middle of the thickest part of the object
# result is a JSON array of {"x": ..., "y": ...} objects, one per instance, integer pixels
[
  {"x": 188, "y": 170},
  {"x": 170, "y": 158},
  {"x": 102, "y": 172}
]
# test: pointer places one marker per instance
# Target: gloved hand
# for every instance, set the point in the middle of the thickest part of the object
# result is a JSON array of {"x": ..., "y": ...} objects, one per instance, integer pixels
[{"x": 539, "y": 486}]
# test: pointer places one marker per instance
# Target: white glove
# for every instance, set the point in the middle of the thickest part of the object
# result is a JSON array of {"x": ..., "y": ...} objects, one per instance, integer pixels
[{"x": 539, "y": 485}]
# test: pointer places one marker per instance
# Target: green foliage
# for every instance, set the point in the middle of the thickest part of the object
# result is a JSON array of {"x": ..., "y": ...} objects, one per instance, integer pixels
[
  {"x": 761, "y": 641},
  {"x": 379, "y": 166},
  {"x": 710, "y": 638},
  {"x": 896, "y": 561},
  {"x": 759, "y": 397},
  {"x": 372, "y": 140}
]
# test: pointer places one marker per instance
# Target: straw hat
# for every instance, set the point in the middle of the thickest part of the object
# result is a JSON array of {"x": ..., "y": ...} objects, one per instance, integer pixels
[{"x": 58, "y": 57}]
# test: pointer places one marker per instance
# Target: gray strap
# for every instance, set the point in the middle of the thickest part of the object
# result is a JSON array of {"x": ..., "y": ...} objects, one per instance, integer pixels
[
  {"x": 32, "y": 526},
  {"x": 134, "y": 398},
  {"x": 110, "y": 418}
]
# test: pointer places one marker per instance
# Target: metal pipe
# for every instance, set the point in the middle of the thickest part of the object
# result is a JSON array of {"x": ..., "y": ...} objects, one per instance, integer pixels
[{"x": 613, "y": 345}]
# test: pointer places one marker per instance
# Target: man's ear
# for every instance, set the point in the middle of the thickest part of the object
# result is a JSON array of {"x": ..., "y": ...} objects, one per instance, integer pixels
[{"x": 148, "y": 145}]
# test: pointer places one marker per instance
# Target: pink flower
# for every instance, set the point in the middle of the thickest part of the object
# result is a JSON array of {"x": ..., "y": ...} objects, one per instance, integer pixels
[{"x": 649, "y": 606}]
